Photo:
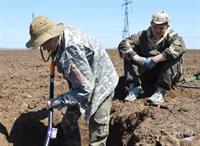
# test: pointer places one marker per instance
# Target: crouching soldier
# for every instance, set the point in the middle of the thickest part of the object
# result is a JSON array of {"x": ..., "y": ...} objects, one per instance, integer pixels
[{"x": 153, "y": 57}]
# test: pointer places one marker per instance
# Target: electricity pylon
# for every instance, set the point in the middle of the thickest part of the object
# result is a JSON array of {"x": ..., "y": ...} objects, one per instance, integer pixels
[{"x": 125, "y": 32}]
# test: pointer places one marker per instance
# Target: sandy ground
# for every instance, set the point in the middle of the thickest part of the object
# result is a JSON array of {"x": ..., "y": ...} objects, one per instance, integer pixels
[{"x": 24, "y": 89}]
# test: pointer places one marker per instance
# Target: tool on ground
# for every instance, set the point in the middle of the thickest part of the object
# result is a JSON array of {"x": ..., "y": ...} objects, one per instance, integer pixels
[
  {"x": 188, "y": 82},
  {"x": 51, "y": 132},
  {"x": 161, "y": 105}
]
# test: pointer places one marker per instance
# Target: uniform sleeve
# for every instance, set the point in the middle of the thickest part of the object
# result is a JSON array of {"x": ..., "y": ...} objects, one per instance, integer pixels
[
  {"x": 79, "y": 73},
  {"x": 129, "y": 45},
  {"x": 176, "y": 48}
]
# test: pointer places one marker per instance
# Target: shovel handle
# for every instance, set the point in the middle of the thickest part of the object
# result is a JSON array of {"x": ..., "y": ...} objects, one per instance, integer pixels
[
  {"x": 52, "y": 68},
  {"x": 51, "y": 94}
]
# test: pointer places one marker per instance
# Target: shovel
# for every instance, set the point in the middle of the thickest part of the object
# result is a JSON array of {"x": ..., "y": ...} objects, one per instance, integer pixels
[{"x": 51, "y": 132}]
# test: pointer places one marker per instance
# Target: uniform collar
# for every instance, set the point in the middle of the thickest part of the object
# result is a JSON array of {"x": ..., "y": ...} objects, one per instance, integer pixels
[{"x": 153, "y": 40}]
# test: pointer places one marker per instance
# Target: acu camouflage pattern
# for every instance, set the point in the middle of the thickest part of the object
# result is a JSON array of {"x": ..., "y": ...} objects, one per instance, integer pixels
[
  {"x": 144, "y": 44},
  {"x": 88, "y": 68},
  {"x": 86, "y": 64}
]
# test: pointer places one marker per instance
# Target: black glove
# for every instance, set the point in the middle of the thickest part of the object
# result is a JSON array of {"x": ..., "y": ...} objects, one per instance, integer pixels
[{"x": 59, "y": 102}]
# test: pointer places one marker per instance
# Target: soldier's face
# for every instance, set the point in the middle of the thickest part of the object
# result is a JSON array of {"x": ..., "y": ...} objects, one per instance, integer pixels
[
  {"x": 50, "y": 45},
  {"x": 158, "y": 30}
]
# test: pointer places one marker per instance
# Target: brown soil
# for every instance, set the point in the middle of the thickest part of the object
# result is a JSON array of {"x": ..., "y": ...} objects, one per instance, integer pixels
[{"x": 24, "y": 90}]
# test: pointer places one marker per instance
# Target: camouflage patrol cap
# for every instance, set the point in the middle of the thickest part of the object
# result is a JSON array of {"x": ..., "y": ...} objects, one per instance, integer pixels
[
  {"x": 41, "y": 30},
  {"x": 160, "y": 17}
]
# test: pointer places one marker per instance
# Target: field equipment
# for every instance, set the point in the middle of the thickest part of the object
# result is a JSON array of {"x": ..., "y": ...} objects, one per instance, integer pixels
[
  {"x": 192, "y": 78},
  {"x": 189, "y": 82},
  {"x": 161, "y": 105},
  {"x": 51, "y": 132}
]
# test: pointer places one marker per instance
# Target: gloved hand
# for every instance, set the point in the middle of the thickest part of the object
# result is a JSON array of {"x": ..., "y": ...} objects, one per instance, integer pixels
[
  {"x": 60, "y": 101},
  {"x": 56, "y": 102},
  {"x": 146, "y": 63}
]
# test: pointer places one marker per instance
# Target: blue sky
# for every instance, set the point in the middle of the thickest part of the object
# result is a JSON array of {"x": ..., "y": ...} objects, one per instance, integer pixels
[{"x": 103, "y": 19}]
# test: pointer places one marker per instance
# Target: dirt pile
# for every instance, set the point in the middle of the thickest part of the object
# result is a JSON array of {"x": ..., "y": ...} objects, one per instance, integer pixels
[{"x": 24, "y": 89}]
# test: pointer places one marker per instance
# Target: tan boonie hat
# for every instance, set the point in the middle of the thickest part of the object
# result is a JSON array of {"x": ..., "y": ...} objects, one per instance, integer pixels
[
  {"x": 41, "y": 30},
  {"x": 160, "y": 17}
]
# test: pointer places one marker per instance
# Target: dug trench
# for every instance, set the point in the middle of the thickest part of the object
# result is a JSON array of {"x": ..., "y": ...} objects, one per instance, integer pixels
[{"x": 24, "y": 89}]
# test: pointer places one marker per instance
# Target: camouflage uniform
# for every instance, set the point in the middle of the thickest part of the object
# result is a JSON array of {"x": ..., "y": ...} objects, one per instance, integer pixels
[
  {"x": 98, "y": 129},
  {"x": 164, "y": 74},
  {"x": 87, "y": 66}
]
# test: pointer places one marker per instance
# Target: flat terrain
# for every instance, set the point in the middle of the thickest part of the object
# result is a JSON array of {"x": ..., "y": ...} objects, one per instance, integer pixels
[{"x": 24, "y": 90}]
